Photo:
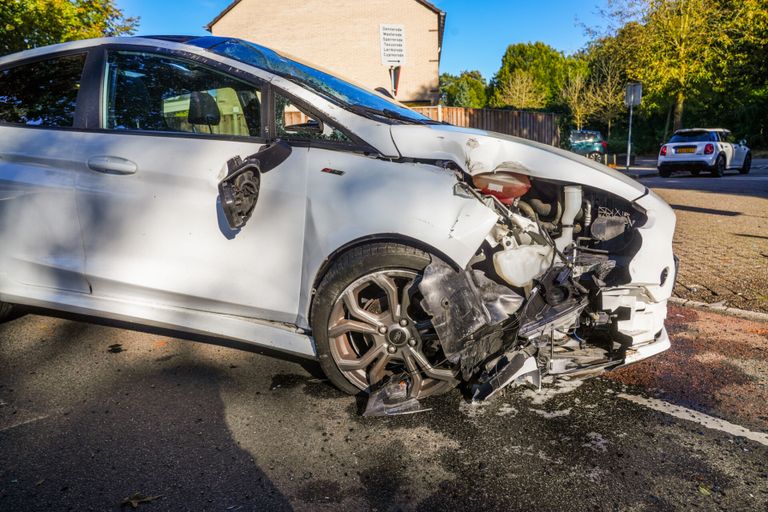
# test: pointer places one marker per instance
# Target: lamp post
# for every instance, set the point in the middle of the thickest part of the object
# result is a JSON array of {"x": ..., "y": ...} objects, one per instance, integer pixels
[{"x": 633, "y": 93}]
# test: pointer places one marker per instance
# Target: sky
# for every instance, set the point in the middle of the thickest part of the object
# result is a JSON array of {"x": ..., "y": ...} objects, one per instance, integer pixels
[{"x": 477, "y": 32}]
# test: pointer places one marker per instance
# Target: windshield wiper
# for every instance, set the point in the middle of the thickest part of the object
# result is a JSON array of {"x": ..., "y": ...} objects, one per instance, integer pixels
[{"x": 390, "y": 114}]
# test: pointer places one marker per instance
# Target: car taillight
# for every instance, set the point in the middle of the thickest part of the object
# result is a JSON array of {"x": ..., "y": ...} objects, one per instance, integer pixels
[
  {"x": 663, "y": 151},
  {"x": 605, "y": 146},
  {"x": 709, "y": 149},
  {"x": 506, "y": 186}
]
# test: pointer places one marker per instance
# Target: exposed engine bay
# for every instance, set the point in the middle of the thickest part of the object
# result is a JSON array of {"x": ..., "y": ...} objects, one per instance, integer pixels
[{"x": 548, "y": 293}]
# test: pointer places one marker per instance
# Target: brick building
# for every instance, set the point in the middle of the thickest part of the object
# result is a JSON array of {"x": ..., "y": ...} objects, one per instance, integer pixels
[{"x": 346, "y": 38}]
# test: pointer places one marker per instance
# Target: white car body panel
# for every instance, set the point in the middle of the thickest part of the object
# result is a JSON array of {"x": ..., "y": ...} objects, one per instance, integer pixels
[
  {"x": 39, "y": 227},
  {"x": 154, "y": 251},
  {"x": 478, "y": 151}
]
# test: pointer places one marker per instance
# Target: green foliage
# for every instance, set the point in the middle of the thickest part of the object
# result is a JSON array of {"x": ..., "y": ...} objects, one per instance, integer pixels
[
  {"x": 701, "y": 62},
  {"x": 465, "y": 90},
  {"x": 536, "y": 66},
  {"x": 28, "y": 24}
]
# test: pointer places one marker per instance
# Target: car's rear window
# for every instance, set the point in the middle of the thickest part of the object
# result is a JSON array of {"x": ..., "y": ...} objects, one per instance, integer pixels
[
  {"x": 700, "y": 136},
  {"x": 585, "y": 136}
]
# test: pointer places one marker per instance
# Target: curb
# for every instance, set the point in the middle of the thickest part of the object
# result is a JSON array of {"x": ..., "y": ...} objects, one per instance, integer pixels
[{"x": 719, "y": 308}]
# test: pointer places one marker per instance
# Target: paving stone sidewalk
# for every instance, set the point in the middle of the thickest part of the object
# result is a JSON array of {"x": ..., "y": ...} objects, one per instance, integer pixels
[{"x": 722, "y": 242}]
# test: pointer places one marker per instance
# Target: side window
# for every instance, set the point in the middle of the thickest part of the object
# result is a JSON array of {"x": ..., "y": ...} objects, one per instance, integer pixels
[
  {"x": 42, "y": 93},
  {"x": 158, "y": 93},
  {"x": 291, "y": 123}
]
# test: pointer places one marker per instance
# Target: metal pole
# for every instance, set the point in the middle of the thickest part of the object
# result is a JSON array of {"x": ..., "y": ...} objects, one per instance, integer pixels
[{"x": 629, "y": 136}]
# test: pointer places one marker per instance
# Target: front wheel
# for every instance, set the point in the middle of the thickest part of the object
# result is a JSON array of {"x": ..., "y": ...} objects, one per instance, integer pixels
[
  {"x": 747, "y": 165},
  {"x": 368, "y": 323}
]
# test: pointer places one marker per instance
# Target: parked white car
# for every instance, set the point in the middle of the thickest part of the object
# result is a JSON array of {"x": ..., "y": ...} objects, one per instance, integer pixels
[
  {"x": 704, "y": 149},
  {"x": 212, "y": 186}
]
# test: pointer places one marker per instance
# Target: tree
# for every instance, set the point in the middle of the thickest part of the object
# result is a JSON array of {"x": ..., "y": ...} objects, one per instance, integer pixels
[
  {"x": 681, "y": 44},
  {"x": 28, "y": 24},
  {"x": 544, "y": 65},
  {"x": 466, "y": 90},
  {"x": 578, "y": 95},
  {"x": 607, "y": 77},
  {"x": 520, "y": 90}
]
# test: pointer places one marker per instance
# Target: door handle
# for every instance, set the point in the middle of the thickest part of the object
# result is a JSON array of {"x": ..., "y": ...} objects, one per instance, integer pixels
[{"x": 112, "y": 165}]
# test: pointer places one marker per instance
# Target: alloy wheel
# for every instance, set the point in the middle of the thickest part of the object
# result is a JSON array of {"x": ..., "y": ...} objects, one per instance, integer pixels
[{"x": 377, "y": 328}]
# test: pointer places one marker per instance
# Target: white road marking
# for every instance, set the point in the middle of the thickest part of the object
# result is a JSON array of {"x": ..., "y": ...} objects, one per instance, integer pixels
[
  {"x": 31, "y": 420},
  {"x": 697, "y": 417}
]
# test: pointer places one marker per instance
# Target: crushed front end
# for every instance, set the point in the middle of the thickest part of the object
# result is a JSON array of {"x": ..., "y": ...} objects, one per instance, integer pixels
[{"x": 572, "y": 280}]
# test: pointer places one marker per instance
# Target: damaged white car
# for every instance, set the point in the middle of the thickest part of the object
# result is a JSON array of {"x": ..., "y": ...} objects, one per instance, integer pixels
[{"x": 213, "y": 186}]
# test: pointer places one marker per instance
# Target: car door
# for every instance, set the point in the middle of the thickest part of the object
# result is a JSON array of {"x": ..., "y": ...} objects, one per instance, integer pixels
[
  {"x": 154, "y": 230},
  {"x": 739, "y": 150},
  {"x": 40, "y": 244},
  {"x": 727, "y": 148}
]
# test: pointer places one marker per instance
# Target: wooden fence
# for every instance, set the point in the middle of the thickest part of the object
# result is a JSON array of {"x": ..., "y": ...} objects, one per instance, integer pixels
[{"x": 538, "y": 126}]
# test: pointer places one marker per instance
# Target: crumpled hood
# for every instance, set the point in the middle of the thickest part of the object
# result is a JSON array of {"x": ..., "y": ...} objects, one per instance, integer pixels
[{"x": 478, "y": 151}]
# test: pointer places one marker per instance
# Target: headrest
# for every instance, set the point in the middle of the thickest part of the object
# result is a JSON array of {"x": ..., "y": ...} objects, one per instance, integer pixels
[{"x": 203, "y": 109}]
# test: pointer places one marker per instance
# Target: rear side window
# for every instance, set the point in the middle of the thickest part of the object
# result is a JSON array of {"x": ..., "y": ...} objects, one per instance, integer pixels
[
  {"x": 42, "y": 93},
  {"x": 153, "y": 92}
]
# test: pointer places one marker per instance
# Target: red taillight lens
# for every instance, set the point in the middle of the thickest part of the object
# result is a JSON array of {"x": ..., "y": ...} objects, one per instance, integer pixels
[
  {"x": 663, "y": 151},
  {"x": 709, "y": 149},
  {"x": 605, "y": 146},
  {"x": 506, "y": 186}
]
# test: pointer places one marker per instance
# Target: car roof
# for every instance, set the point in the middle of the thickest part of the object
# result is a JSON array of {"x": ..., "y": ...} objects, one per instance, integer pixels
[
  {"x": 688, "y": 130},
  {"x": 173, "y": 42}
]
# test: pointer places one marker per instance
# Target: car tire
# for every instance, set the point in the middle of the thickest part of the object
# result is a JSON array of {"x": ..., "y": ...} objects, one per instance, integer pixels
[
  {"x": 747, "y": 165},
  {"x": 331, "y": 308},
  {"x": 719, "y": 168},
  {"x": 664, "y": 173},
  {"x": 596, "y": 156},
  {"x": 5, "y": 311}
]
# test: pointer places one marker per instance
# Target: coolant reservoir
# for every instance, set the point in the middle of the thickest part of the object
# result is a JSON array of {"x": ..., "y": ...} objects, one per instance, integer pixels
[
  {"x": 506, "y": 186},
  {"x": 519, "y": 266}
]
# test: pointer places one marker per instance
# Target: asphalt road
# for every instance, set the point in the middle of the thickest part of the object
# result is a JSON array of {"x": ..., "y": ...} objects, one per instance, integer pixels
[
  {"x": 91, "y": 415},
  {"x": 754, "y": 184}
]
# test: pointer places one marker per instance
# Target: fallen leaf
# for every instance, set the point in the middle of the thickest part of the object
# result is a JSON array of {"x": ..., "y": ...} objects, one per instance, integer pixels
[
  {"x": 135, "y": 500},
  {"x": 703, "y": 489}
]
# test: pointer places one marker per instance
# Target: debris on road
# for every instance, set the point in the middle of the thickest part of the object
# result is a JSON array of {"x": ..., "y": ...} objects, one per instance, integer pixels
[{"x": 137, "y": 499}]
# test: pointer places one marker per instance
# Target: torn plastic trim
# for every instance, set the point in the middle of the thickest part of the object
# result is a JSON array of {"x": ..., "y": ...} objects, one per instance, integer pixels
[
  {"x": 472, "y": 315},
  {"x": 392, "y": 397},
  {"x": 512, "y": 367}
]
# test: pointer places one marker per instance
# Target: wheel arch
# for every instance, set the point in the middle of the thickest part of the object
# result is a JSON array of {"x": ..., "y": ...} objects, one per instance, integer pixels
[{"x": 395, "y": 238}]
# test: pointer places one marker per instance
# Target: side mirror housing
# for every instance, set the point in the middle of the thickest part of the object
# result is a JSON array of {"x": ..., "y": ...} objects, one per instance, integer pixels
[{"x": 239, "y": 190}]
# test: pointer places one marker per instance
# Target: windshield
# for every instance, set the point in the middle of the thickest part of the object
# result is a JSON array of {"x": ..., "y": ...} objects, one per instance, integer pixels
[
  {"x": 697, "y": 136},
  {"x": 351, "y": 96}
]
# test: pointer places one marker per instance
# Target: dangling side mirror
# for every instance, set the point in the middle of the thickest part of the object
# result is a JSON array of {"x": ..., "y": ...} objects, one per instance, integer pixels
[{"x": 239, "y": 191}]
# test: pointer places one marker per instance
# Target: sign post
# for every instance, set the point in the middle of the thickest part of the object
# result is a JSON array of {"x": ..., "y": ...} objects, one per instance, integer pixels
[
  {"x": 633, "y": 93},
  {"x": 393, "y": 52}
]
